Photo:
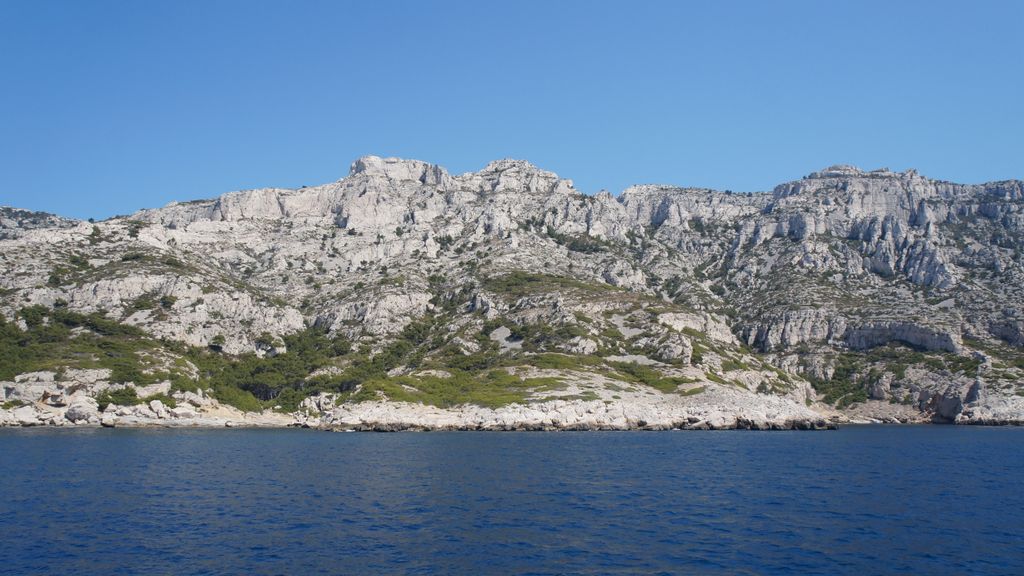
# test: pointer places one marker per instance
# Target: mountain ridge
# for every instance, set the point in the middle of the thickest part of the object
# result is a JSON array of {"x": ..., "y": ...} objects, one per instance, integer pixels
[{"x": 411, "y": 169}]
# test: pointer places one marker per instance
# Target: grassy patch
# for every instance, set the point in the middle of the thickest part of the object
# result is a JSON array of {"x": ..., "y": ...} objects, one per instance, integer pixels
[
  {"x": 561, "y": 362},
  {"x": 491, "y": 389},
  {"x": 518, "y": 284},
  {"x": 730, "y": 365},
  {"x": 639, "y": 374},
  {"x": 585, "y": 396},
  {"x": 724, "y": 382}
]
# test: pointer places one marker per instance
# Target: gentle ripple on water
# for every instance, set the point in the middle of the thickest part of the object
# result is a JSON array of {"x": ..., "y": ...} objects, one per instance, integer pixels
[{"x": 861, "y": 500}]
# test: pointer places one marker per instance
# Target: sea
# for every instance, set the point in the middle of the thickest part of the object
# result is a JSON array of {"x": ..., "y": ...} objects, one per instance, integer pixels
[{"x": 859, "y": 500}]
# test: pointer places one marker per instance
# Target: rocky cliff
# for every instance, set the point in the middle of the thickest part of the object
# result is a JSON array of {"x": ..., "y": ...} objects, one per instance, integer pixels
[{"x": 505, "y": 298}]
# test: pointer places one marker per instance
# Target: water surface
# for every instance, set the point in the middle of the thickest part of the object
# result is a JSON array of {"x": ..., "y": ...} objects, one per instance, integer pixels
[{"x": 860, "y": 500}]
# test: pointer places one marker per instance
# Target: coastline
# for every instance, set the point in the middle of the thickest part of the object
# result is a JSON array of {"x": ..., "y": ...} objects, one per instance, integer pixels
[
  {"x": 404, "y": 417},
  {"x": 578, "y": 405}
]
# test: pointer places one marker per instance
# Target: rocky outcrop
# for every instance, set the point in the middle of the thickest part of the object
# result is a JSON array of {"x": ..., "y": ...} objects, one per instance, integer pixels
[
  {"x": 1009, "y": 330},
  {"x": 917, "y": 336},
  {"x": 83, "y": 410},
  {"x": 710, "y": 325},
  {"x": 15, "y": 221},
  {"x": 794, "y": 327}
]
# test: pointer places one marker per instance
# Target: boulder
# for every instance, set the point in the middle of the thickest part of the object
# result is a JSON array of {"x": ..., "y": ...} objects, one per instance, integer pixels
[
  {"x": 580, "y": 345},
  {"x": 158, "y": 408},
  {"x": 675, "y": 348},
  {"x": 82, "y": 409},
  {"x": 27, "y": 416},
  {"x": 183, "y": 412}
]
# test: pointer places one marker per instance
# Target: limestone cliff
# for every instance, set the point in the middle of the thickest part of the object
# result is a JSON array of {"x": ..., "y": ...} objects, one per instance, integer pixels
[{"x": 882, "y": 294}]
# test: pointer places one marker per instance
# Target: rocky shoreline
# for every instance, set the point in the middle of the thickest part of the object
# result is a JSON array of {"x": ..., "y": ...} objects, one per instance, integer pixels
[
  {"x": 580, "y": 402},
  {"x": 419, "y": 418},
  {"x": 722, "y": 410},
  {"x": 199, "y": 411}
]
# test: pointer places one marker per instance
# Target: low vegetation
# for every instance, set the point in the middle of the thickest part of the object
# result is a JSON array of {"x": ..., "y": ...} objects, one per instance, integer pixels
[
  {"x": 853, "y": 373},
  {"x": 639, "y": 374},
  {"x": 431, "y": 369},
  {"x": 518, "y": 284}
]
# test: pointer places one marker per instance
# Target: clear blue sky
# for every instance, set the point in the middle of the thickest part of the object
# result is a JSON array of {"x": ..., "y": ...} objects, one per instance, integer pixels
[{"x": 109, "y": 106}]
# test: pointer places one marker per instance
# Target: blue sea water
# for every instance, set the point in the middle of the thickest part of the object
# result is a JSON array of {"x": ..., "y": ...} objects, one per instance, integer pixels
[{"x": 860, "y": 500}]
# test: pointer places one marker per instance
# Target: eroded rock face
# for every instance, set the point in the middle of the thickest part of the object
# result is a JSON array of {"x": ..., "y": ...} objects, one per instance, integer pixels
[
  {"x": 795, "y": 327},
  {"x": 878, "y": 334},
  {"x": 841, "y": 262}
]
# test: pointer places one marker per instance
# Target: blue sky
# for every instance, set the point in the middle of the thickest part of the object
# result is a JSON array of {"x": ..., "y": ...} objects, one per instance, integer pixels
[{"x": 110, "y": 106}]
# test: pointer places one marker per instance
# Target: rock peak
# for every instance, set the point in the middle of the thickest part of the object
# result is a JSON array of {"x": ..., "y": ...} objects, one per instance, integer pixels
[
  {"x": 835, "y": 171},
  {"x": 506, "y": 164},
  {"x": 399, "y": 169},
  {"x": 848, "y": 171},
  {"x": 511, "y": 174}
]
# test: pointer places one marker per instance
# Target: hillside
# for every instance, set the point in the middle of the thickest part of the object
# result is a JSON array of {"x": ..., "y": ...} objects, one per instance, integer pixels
[{"x": 402, "y": 296}]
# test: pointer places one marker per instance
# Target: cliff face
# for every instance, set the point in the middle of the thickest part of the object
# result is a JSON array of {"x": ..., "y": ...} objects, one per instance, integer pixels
[{"x": 883, "y": 293}]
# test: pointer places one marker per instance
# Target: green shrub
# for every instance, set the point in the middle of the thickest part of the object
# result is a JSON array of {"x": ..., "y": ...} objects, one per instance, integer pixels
[
  {"x": 241, "y": 399},
  {"x": 716, "y": 378},
  {"x": 50, "y": 346},
  {"x": 543, "y": 337},
  {"x": 133, "y": 257},
  {"x": 217, "y": 343},
  {"x": 578, "y": 242},
  {"x": 119, "y": 397},
  {"x": 144, "y": 302},
  {"x": 166, "y": 400}
]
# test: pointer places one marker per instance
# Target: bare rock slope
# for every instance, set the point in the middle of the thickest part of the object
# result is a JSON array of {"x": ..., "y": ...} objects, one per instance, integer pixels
[{"x": 402, "y": 296}]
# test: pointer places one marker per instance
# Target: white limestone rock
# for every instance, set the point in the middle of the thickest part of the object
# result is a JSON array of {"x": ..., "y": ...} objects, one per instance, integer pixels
[
  {"x": 842, "y": 262},
  {"x": 82, "y": 409}
]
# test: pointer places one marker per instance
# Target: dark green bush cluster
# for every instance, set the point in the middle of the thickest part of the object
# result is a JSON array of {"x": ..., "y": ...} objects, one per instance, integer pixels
[
  {"x": 578, "y": 242},
  {"x": 543, "y": 337},
  {"x": 847, "y": 386},
  {"x": 265, "y": 378},
  {"x": 854, "y": 372},
  {"x": 518, "y": 283},
  {"x": 534, "y": 337},
  {"x": 47, "y": 344},
  {"x": 119, "y": 397},
  {"x": 144, "y": 302}
]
